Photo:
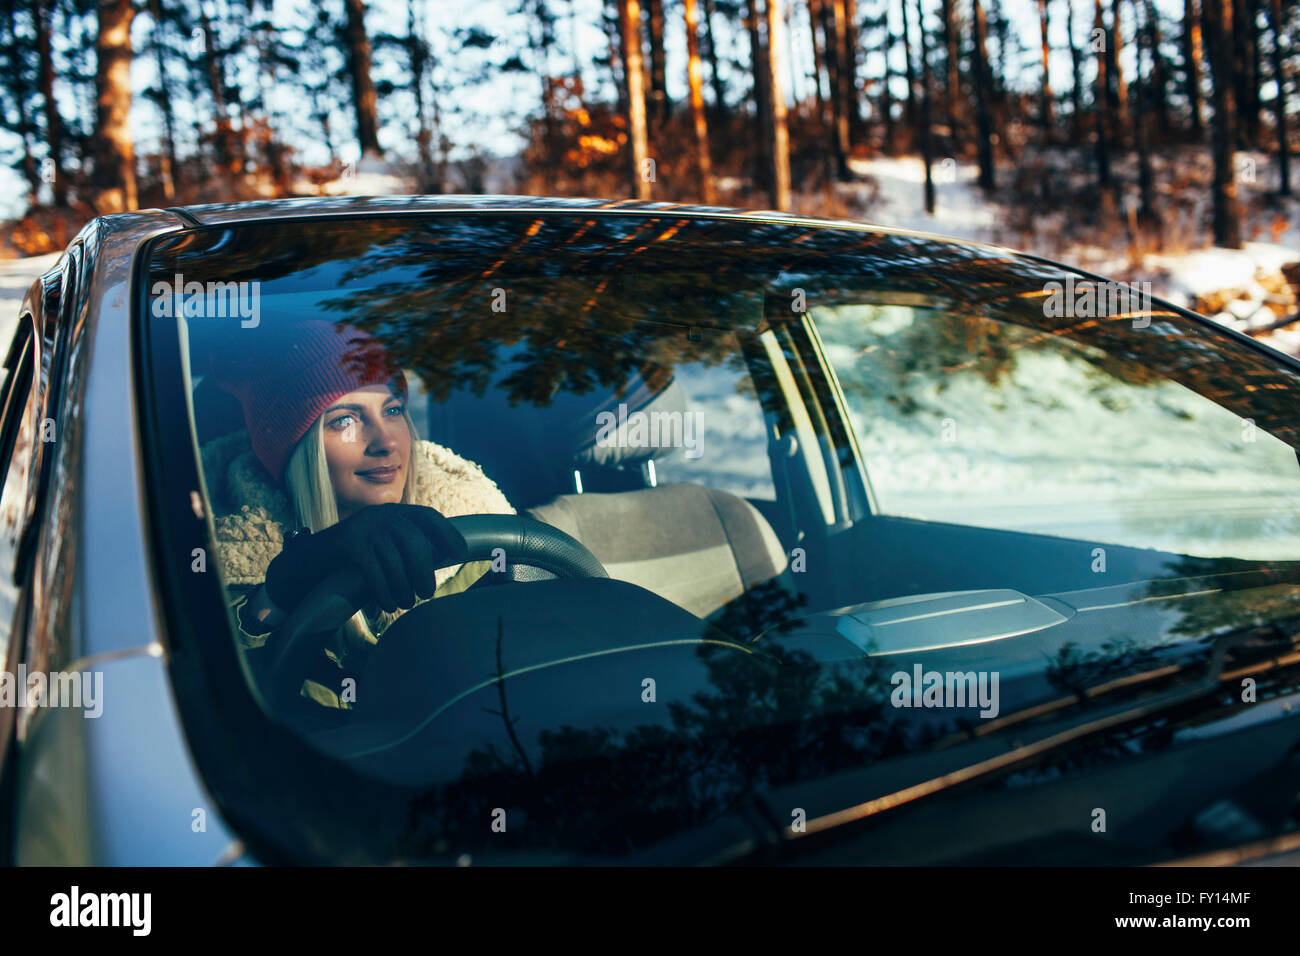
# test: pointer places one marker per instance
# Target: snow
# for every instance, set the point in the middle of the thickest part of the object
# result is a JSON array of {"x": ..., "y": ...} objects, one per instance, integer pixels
[
  {"x": 371, "y": 176},
  {"x": 16, "y": 276},
  {"x": 960, "y": 209},
  {"x": 890, "y": 193}
]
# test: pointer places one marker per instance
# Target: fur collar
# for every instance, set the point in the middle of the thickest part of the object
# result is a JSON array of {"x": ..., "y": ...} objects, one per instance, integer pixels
[{"x": 251, "y": 515}]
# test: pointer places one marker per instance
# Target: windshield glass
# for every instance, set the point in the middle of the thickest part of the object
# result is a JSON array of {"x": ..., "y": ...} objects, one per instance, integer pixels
[{"x": 797, "y": 501}]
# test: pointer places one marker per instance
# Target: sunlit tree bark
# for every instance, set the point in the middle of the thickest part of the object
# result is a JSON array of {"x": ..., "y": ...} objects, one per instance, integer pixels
[
  {"x": 113, "y": 178},
  {"x": 364, "y": 101},
  {"x": 633, "y": 71},
  {"x": 1192, "y": 65},
  {"x": 780, "y": 149},
  {"x": 695, "y": 78}
]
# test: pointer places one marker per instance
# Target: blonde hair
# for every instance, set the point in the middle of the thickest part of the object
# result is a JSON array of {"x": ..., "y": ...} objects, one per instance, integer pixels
[{"x": 307, "y": 478}]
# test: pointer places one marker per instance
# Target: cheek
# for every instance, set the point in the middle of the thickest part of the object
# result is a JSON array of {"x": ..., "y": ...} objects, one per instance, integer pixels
[{"x": 339, "y": 456}]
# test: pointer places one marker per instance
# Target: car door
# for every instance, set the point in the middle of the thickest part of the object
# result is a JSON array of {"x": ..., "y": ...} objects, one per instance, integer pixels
[{"x": 25, "y": 387}]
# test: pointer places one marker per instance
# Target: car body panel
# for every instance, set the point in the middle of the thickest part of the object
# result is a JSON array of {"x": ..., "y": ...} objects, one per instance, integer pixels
[{"x": 94, "y": 790}]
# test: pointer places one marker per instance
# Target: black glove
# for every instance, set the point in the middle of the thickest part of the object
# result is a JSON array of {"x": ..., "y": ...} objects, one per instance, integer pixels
[{"x": 395, "y": 549}]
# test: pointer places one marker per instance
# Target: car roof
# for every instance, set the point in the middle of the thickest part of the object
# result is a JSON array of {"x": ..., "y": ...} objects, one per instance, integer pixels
[{"x": 330, "y": 206}]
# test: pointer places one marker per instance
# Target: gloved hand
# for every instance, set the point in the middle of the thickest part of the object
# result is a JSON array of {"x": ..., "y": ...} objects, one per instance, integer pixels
[{"x": 394, "y": 547}]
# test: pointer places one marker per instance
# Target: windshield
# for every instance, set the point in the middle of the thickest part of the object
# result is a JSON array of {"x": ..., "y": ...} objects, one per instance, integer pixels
[{"x": 847, "y": 495}]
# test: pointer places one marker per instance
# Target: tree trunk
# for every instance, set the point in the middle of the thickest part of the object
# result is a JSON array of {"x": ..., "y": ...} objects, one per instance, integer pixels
[
  {"x": 230, "y": 153},
  {"x": 1192, "y": 62},
  {"x": 658, "y": 105},
  {"x": 983, "y": 95},
  {"x": 113, "y": 179},
  {"x": 1142, "y": 121},
  {"x": 835, "y": 82},
  {"x": 814, "y": 22},
  {"x": 417, "y": 51},
  {"x": 313, "y": 45},
  {"x": 999, "y": 28},
  {"x": 1247, "y": 49},
  {"x": 168, "y": 159},
  {"x": 1218, "y": 28},
  {"x": 719, "y": 90},
  {"x": 1115, "y": 69},
  {"x": 612, "y": 21},
  {"x": 630, "y": 13},
  {"x": 927, "y": 139},
  {"x": 53, "y": 122},
  {"x": 1046, "y": 112},
  {"x": 951, "y": 33},
  {"x": 26, "y": 127},
  {"x": 1158, "y": 104},
  {"x": 694, "y": 75},
  {"x": 887, "y": 74},
  {"x": 365, "y": 104},
  {"x": 1278, "y": 26},
  {"x": 762, "y": 101},
  {"x": 1102, "y": 108},
  {"x": 852, "y": 47},
  {"x": 907, "y": 67},
  {"x": 845, "y": 82},
  {"x": 780, "y": 149},
  {"x": 1076, "y": 65}
]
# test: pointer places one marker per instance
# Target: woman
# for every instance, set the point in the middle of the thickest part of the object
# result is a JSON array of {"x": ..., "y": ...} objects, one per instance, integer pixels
[{"x": 328, "y": 475}]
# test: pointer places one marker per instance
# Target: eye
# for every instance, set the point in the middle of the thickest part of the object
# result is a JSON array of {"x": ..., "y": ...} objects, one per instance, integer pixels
[
  {"x": 394, "y": 409},
  {"x": 340, "y": 423}
]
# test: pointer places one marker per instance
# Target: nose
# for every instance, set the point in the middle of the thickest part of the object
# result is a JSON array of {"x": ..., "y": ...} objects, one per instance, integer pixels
[{"x": 381, "y": 438}]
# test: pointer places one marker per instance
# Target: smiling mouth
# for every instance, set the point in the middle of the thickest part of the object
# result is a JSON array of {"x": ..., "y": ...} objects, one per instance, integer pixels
[{"x": 380, "y": 476}]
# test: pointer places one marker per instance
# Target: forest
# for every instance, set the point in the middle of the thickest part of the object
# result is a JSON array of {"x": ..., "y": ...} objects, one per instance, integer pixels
[{"x": 1117, "y": 115}]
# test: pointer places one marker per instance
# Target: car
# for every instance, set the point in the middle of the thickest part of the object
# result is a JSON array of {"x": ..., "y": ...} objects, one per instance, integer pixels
[{"x": 825, "y": 543}]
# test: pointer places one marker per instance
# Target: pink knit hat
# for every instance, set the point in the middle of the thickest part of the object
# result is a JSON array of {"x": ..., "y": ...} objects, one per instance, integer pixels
[{"x": 318, "y": 363}]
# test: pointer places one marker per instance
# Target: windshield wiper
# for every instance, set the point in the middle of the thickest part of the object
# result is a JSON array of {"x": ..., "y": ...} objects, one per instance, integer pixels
[{"x": 758, "y": 830}]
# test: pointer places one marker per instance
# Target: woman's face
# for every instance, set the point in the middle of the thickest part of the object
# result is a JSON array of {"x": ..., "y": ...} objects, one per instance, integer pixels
[{"x": 367, "y": 448}]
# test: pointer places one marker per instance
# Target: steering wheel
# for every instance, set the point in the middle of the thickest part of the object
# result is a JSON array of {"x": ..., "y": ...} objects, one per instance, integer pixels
[{"x": 524, "y": 541}]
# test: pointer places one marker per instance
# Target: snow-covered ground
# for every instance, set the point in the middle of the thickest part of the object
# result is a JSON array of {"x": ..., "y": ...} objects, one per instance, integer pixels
[
  {"x": 891, "y": 194},
  {"x": 16, "y": 275}
]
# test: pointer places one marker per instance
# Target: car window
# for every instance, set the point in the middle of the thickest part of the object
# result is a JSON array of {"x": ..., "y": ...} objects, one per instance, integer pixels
[
  {"x": 20, "y": 424},
  {"x": 725, "y": 439},
  {"x": 974, "y": 422}
]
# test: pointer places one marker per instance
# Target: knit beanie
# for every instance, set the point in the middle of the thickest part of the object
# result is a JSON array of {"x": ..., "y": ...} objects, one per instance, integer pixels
[{"x": 285, "y": 388}]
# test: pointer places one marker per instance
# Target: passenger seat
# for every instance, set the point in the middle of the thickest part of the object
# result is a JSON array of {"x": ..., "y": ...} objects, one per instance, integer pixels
[{"x": 697, "y": 547}]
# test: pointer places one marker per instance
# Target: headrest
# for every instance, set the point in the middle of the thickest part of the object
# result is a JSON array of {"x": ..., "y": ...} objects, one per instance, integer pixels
[
  {"x": 639, "y": 427},
  {"x": 531, "y": 451}
]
